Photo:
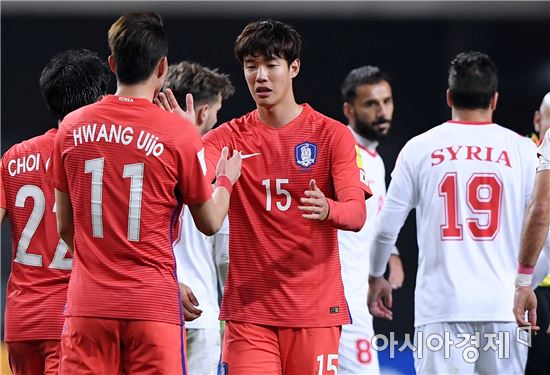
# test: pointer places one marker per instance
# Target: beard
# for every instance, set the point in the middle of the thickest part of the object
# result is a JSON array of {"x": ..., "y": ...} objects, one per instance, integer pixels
[{"x": 370, "y": 131}]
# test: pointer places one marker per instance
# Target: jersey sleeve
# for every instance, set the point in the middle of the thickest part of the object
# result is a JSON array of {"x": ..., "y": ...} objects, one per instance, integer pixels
[
  {"x": 3, "y": 203},
  {"x": 192, "y": 182},
  {"x": 544, "y": 153},
  {"x": 399, "y": 200},
  {"x": 56, "y": 176},
  {"x": 346, "y": 164}
]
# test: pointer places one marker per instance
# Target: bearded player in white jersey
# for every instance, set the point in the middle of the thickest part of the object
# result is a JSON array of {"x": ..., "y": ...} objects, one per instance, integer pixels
[
  {"x": 470, "y": 181},
  {"x": 202, "y": 261},
  {"x": 368, "y": 106}
]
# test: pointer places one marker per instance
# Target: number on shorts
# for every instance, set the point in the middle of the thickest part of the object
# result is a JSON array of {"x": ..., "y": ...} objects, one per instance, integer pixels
[
  {"x": 364, "y": 355},
  {"x": 331, "y": 365}
]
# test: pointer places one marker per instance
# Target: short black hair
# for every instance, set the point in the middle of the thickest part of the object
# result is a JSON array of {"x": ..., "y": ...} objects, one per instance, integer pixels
[
  {"x": 269, "y": 38},
  {"x": 364, "y": 75},
  {"x": 472, "y": 80},
  {"x": 205, "y": 84},
  {"x": 137, "y": 42},
  {"x": 73, "y": 79}
]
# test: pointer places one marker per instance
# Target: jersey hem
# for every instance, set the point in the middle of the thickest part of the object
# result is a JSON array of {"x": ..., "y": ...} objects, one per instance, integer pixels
[
  {"x": 285, "y": 324},
  {"x": 461, "y": 319},
  {"x": 106, "y": 316}
]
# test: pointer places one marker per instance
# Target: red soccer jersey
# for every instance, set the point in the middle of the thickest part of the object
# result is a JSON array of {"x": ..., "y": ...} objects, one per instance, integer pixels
[
  {"x": 284, "y": 269},
  {"x": 125, "y": 164},
  {"x": 37, "y": 287}
]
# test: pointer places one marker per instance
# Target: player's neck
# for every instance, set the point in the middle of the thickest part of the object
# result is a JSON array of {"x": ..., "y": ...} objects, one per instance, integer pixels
[
  {"x": 143, "y": 90},
  {"x": 280, "y": 114},
  {"x": 472, "y": 115}
]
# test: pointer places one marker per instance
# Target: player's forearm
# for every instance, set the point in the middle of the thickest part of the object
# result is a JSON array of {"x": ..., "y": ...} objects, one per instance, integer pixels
[
  {"x": 380, "y": 253},
  {"x": 388, "y": 224},
  {"x": 2, "y": 214},
  {"x": 534, "y": 233},
  {"x": 349, "y": 212},
  {"x": 209, "y": 215}
]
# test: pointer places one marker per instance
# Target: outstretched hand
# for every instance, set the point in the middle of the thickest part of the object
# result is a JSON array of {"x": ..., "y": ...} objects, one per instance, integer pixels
[
  {"x": 168, "y": 102},
  {"x": 379, "y": 298},
  {"x": 316, "y": 205}
]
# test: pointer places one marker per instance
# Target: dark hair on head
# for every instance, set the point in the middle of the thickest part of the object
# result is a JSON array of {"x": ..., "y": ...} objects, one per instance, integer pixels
[
  {"x": 364, "y": 75},
  {"x": 73, "y": 79},
  {"x": 268, "y": 38},
  {"x": 137, "y": 42},
  {"x": 205, "y": 84},
  {"x": 472, "y": 80}
]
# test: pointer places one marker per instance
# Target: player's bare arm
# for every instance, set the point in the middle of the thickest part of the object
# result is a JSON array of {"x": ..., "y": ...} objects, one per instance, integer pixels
[
  {"x": 535, "y": 230},
  {"x": 189, "y": 303},
  {"x": 396, "y": 274},
  {"x": 209, "y": 215},
  {"x": 379, "y": 298},
  {"x": 2, "y": 215},
  {"x": 65, "y": 223}
]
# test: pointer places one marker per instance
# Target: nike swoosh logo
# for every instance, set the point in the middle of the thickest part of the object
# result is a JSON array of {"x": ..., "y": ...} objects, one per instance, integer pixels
[{"x": 248, "y": 155}]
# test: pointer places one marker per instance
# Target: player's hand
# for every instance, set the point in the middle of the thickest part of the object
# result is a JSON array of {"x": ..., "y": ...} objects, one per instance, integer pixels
[
  {"x": 317, "y": 205},
  {"x": 379, "y": 298},
  {"x": 168, "y": 102},
  {"x": 189, "y": 301},
  {"x": 396, "y": 274},
  {"x": 526, "y": 300},
  {"x": 230, "y": 168}
]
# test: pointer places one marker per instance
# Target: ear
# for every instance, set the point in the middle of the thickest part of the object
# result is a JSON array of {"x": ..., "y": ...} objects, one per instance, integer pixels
[
  {"x": 201, "y": 114},
  {"x": 162, "y": 67},
  {"x": 112, "y": 63},
  {"x": 494, "y": 101},
  {"x": 536, "y": 121},
  {"x": 294, "y": 68},
  {"x": 348, "y": 110},
  {"x": 449, "y": 99}
]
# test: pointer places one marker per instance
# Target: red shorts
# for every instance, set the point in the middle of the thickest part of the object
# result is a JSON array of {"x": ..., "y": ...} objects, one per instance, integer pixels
[
  {"x": 38, "y": 357},
  {"x": 257, "y": 349},
  {"x": 116, "y": 346}
]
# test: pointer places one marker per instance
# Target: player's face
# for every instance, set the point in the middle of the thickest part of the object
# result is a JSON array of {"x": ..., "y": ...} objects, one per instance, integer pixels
[
  {"x": 269, "y": 79},
  {"x": 371, "y": 111}
]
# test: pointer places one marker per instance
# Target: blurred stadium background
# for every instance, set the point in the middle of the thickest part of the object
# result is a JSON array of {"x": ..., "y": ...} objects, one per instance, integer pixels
[{"x": 412, "y": 41}]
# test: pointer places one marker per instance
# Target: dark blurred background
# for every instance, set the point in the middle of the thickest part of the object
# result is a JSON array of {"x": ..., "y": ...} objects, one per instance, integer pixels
[{"x": 413, "y": 42}]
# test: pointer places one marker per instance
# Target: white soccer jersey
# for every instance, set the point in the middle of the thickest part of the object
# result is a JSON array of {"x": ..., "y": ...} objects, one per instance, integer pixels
[
  {"x": 196, "y": 267},
  {"x": 470, "y": 185},
  {"x": 354, "y": 246},
  {"x": 355, "y": 353}
]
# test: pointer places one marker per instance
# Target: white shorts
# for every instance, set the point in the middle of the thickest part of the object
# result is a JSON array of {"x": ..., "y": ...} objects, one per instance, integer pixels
[
  {"x": 355, "y": 354},
  {"x": 203, "y": 351},
  {"x": 470, "y": 348}
]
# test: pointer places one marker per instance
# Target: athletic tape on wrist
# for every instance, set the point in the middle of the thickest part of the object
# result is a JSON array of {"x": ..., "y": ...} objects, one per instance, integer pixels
[
  {"x": 523, "y": 279},
  {"x": 225, "y": 182}
]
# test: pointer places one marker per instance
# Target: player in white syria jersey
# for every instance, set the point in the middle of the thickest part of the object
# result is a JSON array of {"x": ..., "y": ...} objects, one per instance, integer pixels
[
  {"x": 199, "y": 257},
  {"x": 470, "y": 181},
  {"x": 368, "y": 106}
]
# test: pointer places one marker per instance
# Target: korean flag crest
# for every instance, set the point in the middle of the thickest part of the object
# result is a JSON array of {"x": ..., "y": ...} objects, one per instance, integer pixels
[{"x": 306, "y": 154}]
